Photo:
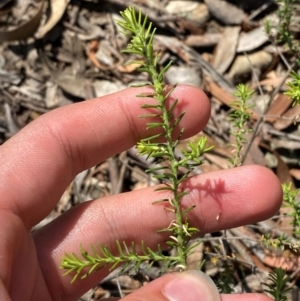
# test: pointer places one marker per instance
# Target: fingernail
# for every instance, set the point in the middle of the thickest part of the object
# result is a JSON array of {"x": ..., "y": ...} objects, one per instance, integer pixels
[{"x": 191, "y": 286}]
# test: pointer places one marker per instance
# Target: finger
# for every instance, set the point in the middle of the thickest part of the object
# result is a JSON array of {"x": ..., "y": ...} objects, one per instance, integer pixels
[
  {"x": 245, "y": 297},
  {"x": 186, "y": 286},
  {"x": 11, "y": 227},
  {"x": 41, "y": 160},
  {"x": 3, "y": 292},
  {"x": 231, "y": 297},
  {"x": 242, "y": 195},
  {"x": 20, "y": 275}
]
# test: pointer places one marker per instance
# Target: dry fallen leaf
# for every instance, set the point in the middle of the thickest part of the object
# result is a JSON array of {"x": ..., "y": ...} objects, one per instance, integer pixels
[
  {"x": 252, "y": 40},
  {"x": 25, "y": 30},
  {"x": 226, "y": 48},
  {"x": 128, "y": 68},
  {"x": 288, "y": 118},
  {"x": 244, "y": 65},
  {"x": 223, "y": 96},
  {"x": 278, "y": 107},
  {"x": 295, "y": 173},
  {"x": 58, "y": 8},
  {"x": 225, "y": 12}
]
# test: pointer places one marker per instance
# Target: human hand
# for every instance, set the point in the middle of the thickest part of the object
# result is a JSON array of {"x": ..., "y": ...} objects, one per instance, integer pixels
[{"x": 40, "y": 161}]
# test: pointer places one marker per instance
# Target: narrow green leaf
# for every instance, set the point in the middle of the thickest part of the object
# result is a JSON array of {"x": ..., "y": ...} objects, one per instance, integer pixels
[
  {"x": 147, "y": 106},
  {"x": 147, "y": 95},
  {"x": 151, "y": 253},
  {"x": 165, "y": 188},
  {"x": 178, "y": 119},
  {"x": 154, "y": 125},
  {"x": 138, "y": 85},
  {"x": 166, "y": 96},
  {"x": 149, "y": 115}
]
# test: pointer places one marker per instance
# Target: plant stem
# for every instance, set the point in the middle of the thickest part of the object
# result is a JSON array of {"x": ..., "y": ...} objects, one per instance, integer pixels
[{"x": 168, "y": 128}]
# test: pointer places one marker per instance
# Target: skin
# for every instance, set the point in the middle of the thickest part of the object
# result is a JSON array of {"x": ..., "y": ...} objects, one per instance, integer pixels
[{"x": 40, "y": 161}]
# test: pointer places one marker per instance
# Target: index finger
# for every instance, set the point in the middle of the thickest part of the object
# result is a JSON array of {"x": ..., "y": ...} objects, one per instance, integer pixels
[{"x": 42, "y": 159}]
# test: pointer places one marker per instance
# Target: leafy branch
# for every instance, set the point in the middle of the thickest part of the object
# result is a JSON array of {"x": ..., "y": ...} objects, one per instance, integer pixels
[
  {"x": 293, "y": 90},
  {"x": 239, "y": 117},
  {"x": 102, "y": 256},
  {"x": 225, "y": 282},
  {"x": 285, "y": 35},
  {"x": 142, "y": 44},
  {"x": 278, "y": 284},
  {"x": 289, "y": 200},
  {"x": 141, "y": 36}
]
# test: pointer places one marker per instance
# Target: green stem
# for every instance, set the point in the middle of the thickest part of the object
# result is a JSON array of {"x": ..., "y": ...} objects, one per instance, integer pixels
[{"x": 158, "y": 87}]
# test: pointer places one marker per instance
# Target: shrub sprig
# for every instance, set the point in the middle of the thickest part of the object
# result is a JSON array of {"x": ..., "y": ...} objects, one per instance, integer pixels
[{"x": 141, "y": 35}]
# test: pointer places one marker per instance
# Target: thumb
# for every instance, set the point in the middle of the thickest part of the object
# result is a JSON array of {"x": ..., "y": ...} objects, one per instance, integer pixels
[{"x": 185, "y": 286}]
